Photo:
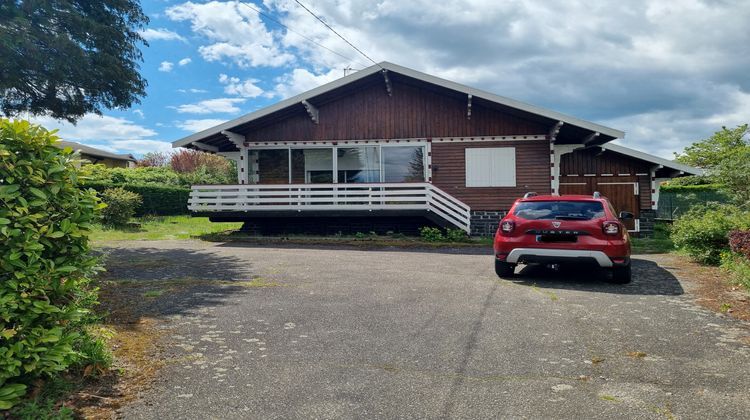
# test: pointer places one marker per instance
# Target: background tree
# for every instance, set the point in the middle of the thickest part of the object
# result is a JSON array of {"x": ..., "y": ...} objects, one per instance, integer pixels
[
  {"x": 154, "y": 159},
  {"x": 733, "y": 172},
  {"x": 66, "y": 58},
  {"x": 709, "y": 153}
]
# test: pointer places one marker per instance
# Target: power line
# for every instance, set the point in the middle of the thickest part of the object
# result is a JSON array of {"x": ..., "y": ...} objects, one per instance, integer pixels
[
  {"x": 293, "y": 31},
  {"x": 339, "y": 35}
]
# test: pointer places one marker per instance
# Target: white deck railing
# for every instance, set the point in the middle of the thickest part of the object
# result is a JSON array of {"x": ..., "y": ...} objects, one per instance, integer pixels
[{"x": 330, "y": 197}]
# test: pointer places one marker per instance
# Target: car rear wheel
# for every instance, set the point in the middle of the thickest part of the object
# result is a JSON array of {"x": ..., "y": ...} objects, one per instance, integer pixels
[
  {"x": 504, "y": 269},
  {"x": 621, "y": 275}
]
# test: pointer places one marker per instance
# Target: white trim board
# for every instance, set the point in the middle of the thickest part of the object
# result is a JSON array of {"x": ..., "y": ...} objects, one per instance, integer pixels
[{"x": 300, "y": 143}]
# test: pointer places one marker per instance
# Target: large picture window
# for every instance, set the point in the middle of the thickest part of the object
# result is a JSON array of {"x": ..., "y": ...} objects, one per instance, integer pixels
[
  {"x": 403, "y": 164},
  {"x": 338, "y": 164},
  {"x": 358, "y": 164}
]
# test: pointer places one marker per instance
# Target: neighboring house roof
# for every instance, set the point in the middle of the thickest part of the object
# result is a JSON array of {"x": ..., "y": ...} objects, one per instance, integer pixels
[
  {"x": 607, "y": 133},
  {"x": 93, "y": 151},
  {"x": 637, "y": 154}
]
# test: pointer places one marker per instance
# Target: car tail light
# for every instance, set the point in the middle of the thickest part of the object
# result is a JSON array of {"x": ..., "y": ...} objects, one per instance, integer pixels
[
  {"x": 507, "y": 226},
  {"x": 611, "y": 228}
]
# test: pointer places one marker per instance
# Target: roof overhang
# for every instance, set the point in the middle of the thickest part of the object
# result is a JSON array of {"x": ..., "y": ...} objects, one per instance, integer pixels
[
  {"x": 666, "y": 163},
  {"x": 595, "y": 133}
]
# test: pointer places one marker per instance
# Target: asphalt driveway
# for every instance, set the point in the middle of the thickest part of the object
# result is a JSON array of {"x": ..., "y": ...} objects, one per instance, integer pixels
[{"x": 315, "y": 333}]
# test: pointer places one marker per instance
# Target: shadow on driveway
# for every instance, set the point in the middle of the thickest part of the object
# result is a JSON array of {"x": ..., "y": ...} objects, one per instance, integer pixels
[
  {"x": 152, "y": 282},
  {"x": 648, "y": 279}
]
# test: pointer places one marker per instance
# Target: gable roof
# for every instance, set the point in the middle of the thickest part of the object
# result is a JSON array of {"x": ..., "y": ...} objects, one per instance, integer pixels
[
  {"x": 608, "y": 133},
  {"x": 93, "y": 151},
  {"x": 637, "y": 154}
]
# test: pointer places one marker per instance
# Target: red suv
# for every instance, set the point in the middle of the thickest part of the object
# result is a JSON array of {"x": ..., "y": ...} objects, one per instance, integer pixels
[{"x": 576, "y": 229}]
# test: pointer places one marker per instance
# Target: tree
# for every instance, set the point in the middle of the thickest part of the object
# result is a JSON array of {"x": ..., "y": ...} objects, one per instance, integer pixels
[
  {"x": 733, "y": 172},
  {"x": 154, "y": 159},
  {"x": 709, "y": 153},
  {"x": 66, "y": 58}
]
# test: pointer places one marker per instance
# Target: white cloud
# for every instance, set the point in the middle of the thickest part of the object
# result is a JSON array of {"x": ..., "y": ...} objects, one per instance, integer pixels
[
  {"x": 622, "y": 63},
  {"x": 139, "y": 113},
  {"x": 140, "y": 146},
  {"x": 184, "y": 61},
  {"x": 301, "y": 80},
  {"x": 161, "y": 34},
  {"x": 211, "y": 106},
  {"x": 113, "y": 134},
  {"x": 235, "y": 33},
  {"x": 166, "y": 66},
  {"x": 198, "y": 125},
  {"x": 234, "y": 86},
  {"x": 192, "y": 90},
  {"x": 661, "y": 71}
]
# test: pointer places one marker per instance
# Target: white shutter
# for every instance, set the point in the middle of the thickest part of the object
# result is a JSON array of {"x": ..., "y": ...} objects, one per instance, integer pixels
[{"x": 491, "y": 167}]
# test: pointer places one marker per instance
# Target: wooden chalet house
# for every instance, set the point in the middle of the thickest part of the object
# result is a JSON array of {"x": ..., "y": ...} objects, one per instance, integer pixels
[{"x": 391, "y": 148}]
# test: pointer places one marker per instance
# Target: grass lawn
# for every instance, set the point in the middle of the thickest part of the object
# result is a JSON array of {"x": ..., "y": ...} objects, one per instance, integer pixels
[{"x": 154, "y": 228}]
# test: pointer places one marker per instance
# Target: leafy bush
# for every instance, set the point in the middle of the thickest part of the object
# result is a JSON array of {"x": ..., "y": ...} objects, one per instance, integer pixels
[
  {"x": 205, "y": 176},
  {"x": 689, "y": 188},
  {"x": 738, "y": 268},
  {"x": 703, "y": 231},
  {"x": 456, "y": 235},
  {"x": 739, "y": 242},
  {"x": 157, "y": 200},
  {"x": 45, "y": 265},
  {"x": 121, "y": 206},
  {"x": 209, "y": 166},
  {"x": 690, "y": 180},
  {"x": 431, "y": 234},
  {"x": 120, "y": 176},
  {"x": 163, "y": 175}
]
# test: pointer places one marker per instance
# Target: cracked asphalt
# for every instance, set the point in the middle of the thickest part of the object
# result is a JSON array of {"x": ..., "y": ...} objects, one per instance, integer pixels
[{"x": 334, "y": 333}]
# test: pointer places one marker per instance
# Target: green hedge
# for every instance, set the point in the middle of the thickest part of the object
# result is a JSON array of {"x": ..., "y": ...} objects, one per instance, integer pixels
[
  {"x": 690, "y": 188},
  {"x": 157, "y": 199}
]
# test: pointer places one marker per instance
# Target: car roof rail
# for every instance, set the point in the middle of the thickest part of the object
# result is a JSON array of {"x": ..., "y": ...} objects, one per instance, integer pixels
[
  {"x": 597, "y": 194},
  {"x": 529, "y": 195}
]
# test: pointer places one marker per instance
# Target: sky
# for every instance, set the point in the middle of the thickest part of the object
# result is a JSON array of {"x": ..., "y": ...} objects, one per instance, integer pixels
[{"x": 666, "y": 73}]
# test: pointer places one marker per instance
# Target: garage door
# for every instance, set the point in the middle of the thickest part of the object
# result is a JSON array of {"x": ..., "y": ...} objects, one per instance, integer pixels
[{"x": 622, "y": 192}]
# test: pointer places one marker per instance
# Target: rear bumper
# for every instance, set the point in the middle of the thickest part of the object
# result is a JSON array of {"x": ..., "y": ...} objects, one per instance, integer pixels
[{"x": 552, "y": 256}]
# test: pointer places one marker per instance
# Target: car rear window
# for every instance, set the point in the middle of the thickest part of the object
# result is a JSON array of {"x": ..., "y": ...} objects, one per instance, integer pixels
[{"x": 561, "y": 210}]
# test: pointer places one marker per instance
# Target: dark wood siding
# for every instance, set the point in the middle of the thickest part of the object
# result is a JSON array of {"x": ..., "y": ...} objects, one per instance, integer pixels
[
  {"x": 412, "y": 112},
  {"x": 590, "y": 161},
  {"x": 532, "y": 173}
]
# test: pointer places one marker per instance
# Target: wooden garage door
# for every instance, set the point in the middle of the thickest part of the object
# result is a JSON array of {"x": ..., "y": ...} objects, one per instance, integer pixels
[{"x": 622, "y": 192}]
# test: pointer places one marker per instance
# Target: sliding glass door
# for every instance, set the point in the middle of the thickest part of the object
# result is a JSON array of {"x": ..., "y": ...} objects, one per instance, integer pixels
[
  {"x": 312, "y": 166},
  {"x": 272, "y": 166}
]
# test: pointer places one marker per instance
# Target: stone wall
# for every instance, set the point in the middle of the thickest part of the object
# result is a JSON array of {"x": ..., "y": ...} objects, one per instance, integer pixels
[{"x": 484, "y": 223}]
